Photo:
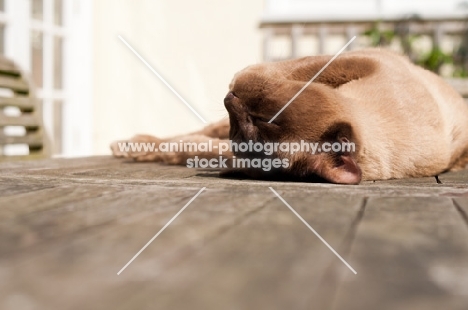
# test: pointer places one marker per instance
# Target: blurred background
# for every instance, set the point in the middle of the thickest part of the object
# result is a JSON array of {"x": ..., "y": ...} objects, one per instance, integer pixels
[{"x": 86, "y": 89}]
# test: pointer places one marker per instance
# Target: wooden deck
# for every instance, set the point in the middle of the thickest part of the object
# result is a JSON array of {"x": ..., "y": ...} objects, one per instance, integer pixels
[{"x": 67, "y": 226}]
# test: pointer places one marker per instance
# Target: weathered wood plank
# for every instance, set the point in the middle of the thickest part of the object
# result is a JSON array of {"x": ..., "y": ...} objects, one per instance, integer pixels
[
  {"x": 57, "y": 212},
  {"x": 33, "y": 139},
  {"x": 457, "y": 179},
  {"x": 26, "y": 120},
  {"x": 32, "y": 156},
  {"x": 112, "y": 171},
  {"x": 10, "y": 187},
  {"x": 462, "y": 207},
  {"x": 20, "y": 168},
  {"x": 14, "y": 83},
  {"x": 56, "y": 197},
  {"x": 68, "y": 225},
  {"x": 131, "y": 174},
  {"x": 7, "y": 63},
  {"x": 24, "y": 103},
  {"x": 92, "y": 256},
  {"x": 9, "y": 70},
  {"x": 268, "y": 261},
  {"x": 411, "y": 253}
]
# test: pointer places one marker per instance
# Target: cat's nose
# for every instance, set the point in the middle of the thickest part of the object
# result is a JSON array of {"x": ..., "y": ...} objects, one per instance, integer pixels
[
  {"x": 228, "y": 101},
  {"x": 229, "y": 96}
]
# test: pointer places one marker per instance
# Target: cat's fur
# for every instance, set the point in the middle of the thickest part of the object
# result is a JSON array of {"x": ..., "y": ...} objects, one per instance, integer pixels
[{"x": 404, "y": 120}]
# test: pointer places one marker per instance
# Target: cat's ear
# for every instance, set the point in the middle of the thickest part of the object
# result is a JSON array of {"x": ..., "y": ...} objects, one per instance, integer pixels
[
  {"x": 342, "y": 70},
  {"x": 337, "y": 162},
  {"x": 340, "y": 170}
]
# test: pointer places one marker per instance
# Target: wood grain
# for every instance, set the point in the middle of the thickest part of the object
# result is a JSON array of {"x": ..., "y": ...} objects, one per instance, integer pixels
[
  {"x": 67, "y": 226},
  {"x": 14, "y": 83},
  {"x": 23, "y": 120},
  {"x": 411, "y": 253},
  {"x": 31, "y": 139},
  {"x": 25, "y": 103}
]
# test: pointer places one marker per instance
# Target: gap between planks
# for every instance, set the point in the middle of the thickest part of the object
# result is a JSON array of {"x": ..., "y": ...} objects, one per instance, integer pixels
[
  {"x": 332, "y": 277},
  {"x": 460, "y": 211}
]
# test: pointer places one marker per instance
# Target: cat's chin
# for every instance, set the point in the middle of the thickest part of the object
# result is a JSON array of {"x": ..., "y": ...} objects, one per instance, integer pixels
[{"x": 272, "y": 175}]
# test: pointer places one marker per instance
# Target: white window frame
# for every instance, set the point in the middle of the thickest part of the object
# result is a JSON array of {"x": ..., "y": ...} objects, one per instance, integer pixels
[{"x": 77, "y": 65}]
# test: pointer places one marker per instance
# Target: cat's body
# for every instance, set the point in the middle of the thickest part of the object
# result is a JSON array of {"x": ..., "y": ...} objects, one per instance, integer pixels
[{"x": 404, "y": 120}]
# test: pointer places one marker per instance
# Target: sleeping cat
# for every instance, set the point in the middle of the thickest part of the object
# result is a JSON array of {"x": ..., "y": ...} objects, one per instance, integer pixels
[{"x": 403, "y": 120}]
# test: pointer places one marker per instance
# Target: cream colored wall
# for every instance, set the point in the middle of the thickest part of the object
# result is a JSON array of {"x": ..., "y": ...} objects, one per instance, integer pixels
[{"x": 196, "y": 45}]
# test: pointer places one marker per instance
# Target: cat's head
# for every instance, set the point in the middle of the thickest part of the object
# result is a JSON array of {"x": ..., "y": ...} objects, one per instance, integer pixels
[{"x": 316, "y": 115}]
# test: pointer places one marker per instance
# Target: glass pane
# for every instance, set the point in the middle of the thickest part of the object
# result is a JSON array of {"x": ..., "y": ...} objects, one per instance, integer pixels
[
  {"x": 2, "y": 5},
  {"x": 58, "y": 127},
  {"x": 2, "y": 39},
  {"x": 37, "y": 9},
  {"x": 58, "y": 12},
  {"x": 58, "y": 62},
  {"x": 37, "y": 61}
]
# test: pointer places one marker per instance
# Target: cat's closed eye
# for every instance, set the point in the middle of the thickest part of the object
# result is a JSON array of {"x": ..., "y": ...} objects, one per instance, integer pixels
[{"x": 258, "y": 119}]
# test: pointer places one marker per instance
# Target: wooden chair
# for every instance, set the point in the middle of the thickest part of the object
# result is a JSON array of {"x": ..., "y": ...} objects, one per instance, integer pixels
[{"x": 16, "y": 93}]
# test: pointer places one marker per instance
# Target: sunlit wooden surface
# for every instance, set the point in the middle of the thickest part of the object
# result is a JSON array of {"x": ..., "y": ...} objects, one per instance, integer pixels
[{"x": 67, "y": 226}]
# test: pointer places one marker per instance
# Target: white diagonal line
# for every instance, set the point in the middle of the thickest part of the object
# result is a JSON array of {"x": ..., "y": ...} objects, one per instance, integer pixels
[
  {"x": 313, "y": 230},
  {"x": 310, "y": 82},
  {"x": 161, "y": 230},
  {"x": 162, "y": 79}
]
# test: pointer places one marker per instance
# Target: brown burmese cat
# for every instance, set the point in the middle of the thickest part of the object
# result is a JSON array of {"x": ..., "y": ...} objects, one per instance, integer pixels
[{"x": 405, "y": 121}]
